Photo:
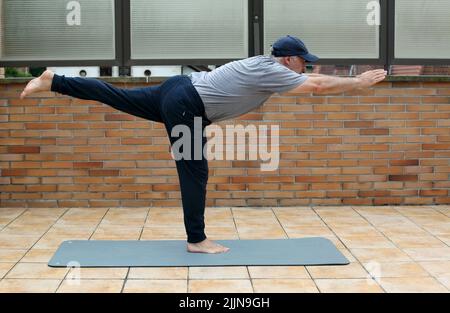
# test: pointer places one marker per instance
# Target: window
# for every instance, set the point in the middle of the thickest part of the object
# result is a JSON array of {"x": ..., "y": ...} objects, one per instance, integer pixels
[
  {"x": 57, "y": 30},
  {"x": 422, "y": 29},
  {"x": 331, "y": 29},
  {"x": 189, "y": 29}
]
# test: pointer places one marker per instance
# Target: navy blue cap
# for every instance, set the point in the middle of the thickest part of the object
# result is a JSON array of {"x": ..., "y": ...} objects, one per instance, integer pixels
[{"x": 292, "y": 46}]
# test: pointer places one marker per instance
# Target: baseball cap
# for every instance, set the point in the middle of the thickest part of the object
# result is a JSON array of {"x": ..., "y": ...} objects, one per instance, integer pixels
[{"x": 292, "y": 46}]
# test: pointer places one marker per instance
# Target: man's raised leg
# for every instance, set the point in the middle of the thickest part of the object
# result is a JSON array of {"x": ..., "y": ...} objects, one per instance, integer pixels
[{"x": 141, "y": 102}]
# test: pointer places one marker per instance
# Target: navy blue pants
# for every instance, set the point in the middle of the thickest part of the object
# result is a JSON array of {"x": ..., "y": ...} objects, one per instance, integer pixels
[{"x": 175, "y": 102}]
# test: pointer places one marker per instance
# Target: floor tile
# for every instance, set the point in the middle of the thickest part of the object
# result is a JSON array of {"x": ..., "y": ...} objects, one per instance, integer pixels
[
  {"x": 436, "y": 268},
  {"x": 216, "y": 272},
  {"x": 429, "y": 254},
  {"x": 164, "y": 220},
  {"x": 117, "y": 233},
  {"x": 395, "y": 269},
  {"x": 252, "y": 213},
  {"x": 278, "y": 272},
  {"x": 301, "y": 221},
  {"x": 445, "y": 281},
  {"x": 164, "y": 233},
  {"x": 308, "y": 231},
  {"x": 353, "y": 270},
  {"x": 220, "y": 286},
  {"x": 97, "y": 273},
  {"x": 411, "y": 284},
  {"x": 155, "y": 286},
  {"x": 11, "y": 213},
  {"x": 87, "y": 213},
  {"x": 159, "y": 273},
  {"x": 444, "y": 238},
  {"x": 366, "y": 242},
  {"x": 404, "y": 242},
  {"x": 438, "y": 229},
  {"x": 36, "y": 271},
  {"x": 8, "y": 242},
  {"x": 36, "y": 231},
  {"x": 38, "y": 256},
  {"x": 28, "y": 286},
  {"x": 4, "y": 268},
  {"x": 248, "y": 234},
  {"x": 91, "y": 286},
  {"x": 402, "y": 230},
  {"x": 348, "y": 286},
  {"x": 284, "y": 286},
  {"x": 381, "y": 255},
  {"x": 9, "y": 255}
]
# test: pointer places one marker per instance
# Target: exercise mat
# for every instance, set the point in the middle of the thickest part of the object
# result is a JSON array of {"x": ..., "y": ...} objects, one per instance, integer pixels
[{"x": 172, "y": 253}]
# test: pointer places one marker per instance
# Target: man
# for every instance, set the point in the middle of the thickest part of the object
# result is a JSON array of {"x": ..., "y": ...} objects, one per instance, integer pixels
[{"x": 227, "y": 92}]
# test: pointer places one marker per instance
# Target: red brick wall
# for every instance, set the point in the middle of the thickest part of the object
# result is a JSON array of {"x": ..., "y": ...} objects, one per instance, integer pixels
[{"x": 389, "y": 145}]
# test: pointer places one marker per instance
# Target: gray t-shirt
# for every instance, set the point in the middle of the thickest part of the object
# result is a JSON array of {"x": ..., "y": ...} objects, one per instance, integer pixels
[{"x": 241, "y": 86}]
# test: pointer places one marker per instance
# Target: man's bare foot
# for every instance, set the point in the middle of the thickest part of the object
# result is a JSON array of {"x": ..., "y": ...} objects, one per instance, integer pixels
[
  {"x": 206, "y": 246},
  {"x": 42, "y": 83}
]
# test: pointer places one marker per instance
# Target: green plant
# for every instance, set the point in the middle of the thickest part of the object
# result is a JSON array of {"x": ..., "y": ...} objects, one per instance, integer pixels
[{"x": 14, "y": 72}]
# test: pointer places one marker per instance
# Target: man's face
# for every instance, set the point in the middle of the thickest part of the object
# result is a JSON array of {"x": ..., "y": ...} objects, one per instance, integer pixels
[{"x": 296, "y": 64}]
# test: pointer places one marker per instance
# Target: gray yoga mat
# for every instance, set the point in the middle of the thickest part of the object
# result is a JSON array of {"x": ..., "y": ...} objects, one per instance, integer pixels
[{"x": 172, "y": 253}]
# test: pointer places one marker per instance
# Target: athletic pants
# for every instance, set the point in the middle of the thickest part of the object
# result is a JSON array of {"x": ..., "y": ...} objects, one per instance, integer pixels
[{"x": 174, "y": 102}]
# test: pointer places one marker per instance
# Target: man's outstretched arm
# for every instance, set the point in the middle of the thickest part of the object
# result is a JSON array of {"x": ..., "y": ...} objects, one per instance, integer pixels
[{"x": 323, "y": 84}]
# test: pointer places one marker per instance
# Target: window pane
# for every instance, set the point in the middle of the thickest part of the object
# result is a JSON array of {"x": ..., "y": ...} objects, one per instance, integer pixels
[
  {"x": 329, "y": 28},
  {"x": 183, "y": 29},
  {"x": 422, "y": 29},
  {"x": 57, "y": 30}
]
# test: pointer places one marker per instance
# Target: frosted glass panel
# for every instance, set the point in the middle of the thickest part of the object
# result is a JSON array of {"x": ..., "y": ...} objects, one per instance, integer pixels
[
  {"x": 189, "y": 29},
  {"x": 422, "y": 29},
  {"x": 330, "y": 28},
  {"x": 56, "y": 30}
]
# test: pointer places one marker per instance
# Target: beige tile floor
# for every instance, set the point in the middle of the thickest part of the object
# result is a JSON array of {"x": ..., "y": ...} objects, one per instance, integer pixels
[{"x": 391, "y": 249}]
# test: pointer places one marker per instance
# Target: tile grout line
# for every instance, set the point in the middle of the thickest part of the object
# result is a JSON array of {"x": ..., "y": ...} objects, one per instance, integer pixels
[
  {"x": 239, "y": 238},
  {"x": 27, "y": 250},
  {"x": 348, "y": 249},
  {"x": 140, "y": 236},
  {"x": 384, "y": 235},
  {"x": 306, "y": 268},
  {"x": 65, "y": 276},
  {"x": 12, "y": 221},
  {"x": 51, "y": 226},
  {"x": 418, "y": 225}
]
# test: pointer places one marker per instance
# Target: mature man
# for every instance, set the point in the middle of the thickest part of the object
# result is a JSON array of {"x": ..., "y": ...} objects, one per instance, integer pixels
[{"x": 227, "y": 92}]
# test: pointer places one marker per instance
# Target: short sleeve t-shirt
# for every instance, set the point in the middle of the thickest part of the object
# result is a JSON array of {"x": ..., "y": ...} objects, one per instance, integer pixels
[{"x": 241, "y": 86}]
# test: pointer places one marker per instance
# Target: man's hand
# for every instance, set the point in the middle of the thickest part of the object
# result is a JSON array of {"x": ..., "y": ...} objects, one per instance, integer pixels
[{"x": 371, "y": 78}]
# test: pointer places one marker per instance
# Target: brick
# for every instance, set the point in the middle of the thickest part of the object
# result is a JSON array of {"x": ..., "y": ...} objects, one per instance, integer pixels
[
  {"x": 374, "y": 131},
  {"x": 434, "y": 193},
  {"x": 387, "y": 201},
  {"x": 328, "y": 108},
  {"x": 310, "y": 179},
  {"x": 436, "y": 146},
  {"x": 374, "y": 193},
  {"x": 358, "y": 124},
  {"x": 104, "y": 172},
  {"x": 88, "y": 164},
  {"x": 403, "y": 177},
  {"x": 404, "y": 162}
]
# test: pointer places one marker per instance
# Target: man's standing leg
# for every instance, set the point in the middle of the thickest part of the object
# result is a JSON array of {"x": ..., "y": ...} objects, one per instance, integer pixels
[{"x": 179, "y": 109}]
